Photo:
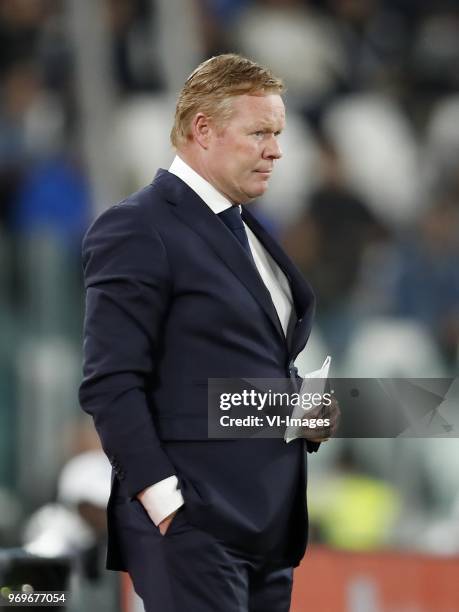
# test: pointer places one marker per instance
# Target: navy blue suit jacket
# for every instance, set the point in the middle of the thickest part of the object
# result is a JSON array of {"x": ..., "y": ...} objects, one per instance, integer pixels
[{"x": 172, "y": 299}]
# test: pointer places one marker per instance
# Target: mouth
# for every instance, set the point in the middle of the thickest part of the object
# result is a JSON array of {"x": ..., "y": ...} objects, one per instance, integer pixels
[{"x": 264, "y": 172}]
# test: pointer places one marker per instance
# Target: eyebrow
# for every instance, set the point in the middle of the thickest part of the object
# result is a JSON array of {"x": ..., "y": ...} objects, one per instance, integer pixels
[{"x": 265, "y": 127}]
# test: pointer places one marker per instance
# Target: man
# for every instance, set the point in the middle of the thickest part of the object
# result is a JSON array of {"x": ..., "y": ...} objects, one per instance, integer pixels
[{"x": 182, "y": 287}]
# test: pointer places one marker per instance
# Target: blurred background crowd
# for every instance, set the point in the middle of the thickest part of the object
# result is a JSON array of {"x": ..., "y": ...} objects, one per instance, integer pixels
[{"x": 365, "y": 200}]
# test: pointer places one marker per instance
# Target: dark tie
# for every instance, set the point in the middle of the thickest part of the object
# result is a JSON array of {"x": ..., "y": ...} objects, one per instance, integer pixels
[{"x": 231, "y": 217}]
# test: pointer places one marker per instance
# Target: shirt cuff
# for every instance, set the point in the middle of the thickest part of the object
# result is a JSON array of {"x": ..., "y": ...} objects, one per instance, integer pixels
[{"x": 161, "y": 499}]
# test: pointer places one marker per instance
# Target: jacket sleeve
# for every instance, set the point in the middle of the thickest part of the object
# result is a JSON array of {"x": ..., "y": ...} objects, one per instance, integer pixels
[{"x": 127, "y": 284}]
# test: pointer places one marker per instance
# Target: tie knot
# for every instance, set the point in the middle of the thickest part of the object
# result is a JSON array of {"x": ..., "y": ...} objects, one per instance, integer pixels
[{"x": 231, "y": 217}]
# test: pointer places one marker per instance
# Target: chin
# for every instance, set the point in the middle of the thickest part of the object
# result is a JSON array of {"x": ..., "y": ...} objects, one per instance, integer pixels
[
  {"x": 254, "y": 192},
  {"x": 250, "y": 197},
  {"x": 259, "y": 189}
]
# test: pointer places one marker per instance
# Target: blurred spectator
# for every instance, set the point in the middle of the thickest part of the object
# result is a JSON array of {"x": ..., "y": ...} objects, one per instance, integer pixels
[
  {"x": 327, "y": 243},
  {"x": 417, "y": 276},
  {"x": 379, "y": 153},
  {"x": 373, "y": 34},
  {"x": 31, "y": 127},
  {"x": 353, "y": 510},
  {"x": 53, "y": 198},
  {"x": 135, "y": 58},
  {"x": 21, "y": 23},
  {"x": 75, "y": 525},
  {"x": 32, "y": 116},
  {"x": 217, "y": 19},
  {"x": 441, "y": 155},
  {"x": 429, "y": 259},
  {"x": 343, "y": 225},
  {"x": 436, "y": 49}
]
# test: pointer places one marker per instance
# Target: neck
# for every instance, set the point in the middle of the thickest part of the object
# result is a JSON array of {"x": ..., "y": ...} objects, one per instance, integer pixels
[{"x": 195, "y": 163}]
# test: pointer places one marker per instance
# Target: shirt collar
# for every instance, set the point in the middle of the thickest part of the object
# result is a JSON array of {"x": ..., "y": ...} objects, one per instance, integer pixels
[{"x": 207, "y": 192}]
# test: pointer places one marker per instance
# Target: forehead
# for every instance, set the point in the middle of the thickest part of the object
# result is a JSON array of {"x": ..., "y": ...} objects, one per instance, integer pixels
[{"x": 263, "y": 109}]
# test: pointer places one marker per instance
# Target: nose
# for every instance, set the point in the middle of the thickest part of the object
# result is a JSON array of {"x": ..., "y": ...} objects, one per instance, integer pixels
[{"x": 273, "y": 150}]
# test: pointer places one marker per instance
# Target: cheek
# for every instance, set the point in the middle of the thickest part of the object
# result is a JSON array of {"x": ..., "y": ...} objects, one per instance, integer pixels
[
  {"x": 248, "y": 157},
  {"x": 237, "y": 160},
  {"x": 221, "y": 161}
]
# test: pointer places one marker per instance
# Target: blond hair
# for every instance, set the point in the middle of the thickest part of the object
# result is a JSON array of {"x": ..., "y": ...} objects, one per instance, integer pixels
[{"x": 212, "y": 85}]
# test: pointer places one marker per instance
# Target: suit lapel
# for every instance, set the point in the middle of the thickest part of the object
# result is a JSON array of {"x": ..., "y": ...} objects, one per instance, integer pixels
[
  {"x": 189, "y": 207},
  {"x": 300, "y": 325}
]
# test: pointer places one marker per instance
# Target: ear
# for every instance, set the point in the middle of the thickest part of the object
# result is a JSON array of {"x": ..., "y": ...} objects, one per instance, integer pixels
[{"x": 201, "y": 128}]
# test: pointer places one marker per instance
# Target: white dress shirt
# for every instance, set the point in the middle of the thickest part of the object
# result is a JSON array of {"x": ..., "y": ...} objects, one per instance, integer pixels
[{"x": 164, "y": 497}]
